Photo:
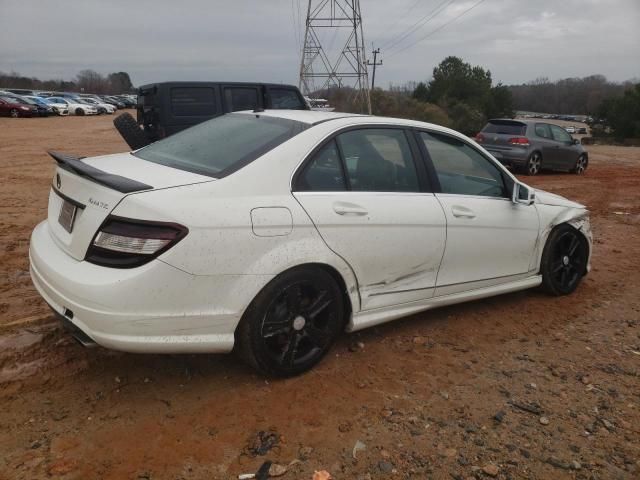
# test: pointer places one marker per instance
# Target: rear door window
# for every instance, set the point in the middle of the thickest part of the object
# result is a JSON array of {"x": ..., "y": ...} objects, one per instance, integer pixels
[
  {"x": 285, "y": 98},
  {"x": 324, "y": 172},
  {"x": 378, "y": 160},
  {"x": 193, "y": 101},
  {"x": 241, "y": 98},
  {"x": 542, "y": 130}
]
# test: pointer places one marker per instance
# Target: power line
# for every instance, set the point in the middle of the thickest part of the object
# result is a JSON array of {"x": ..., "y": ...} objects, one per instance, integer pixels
[
  {"x": 433, "y": 32},
  {"x": 392, "y": 26},
  {"x": 417, "y": 25}
]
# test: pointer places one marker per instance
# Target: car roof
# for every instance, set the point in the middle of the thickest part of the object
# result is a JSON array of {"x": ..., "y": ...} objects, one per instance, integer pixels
[
  {"x": 314, "y": 117},
  {"x": 178, "y": 83},
  {"x": 310, "y": 117}
]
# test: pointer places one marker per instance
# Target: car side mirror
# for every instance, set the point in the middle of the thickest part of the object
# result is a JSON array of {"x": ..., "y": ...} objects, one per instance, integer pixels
[{"x": 523, "y": 194}]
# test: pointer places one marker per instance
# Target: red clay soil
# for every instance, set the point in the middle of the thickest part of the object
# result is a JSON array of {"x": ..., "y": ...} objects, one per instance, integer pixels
[{"x": 518, "y": 386}]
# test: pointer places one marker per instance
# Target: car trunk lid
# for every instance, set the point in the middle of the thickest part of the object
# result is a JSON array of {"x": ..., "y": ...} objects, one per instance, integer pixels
[{"x": 85, "y": 191}]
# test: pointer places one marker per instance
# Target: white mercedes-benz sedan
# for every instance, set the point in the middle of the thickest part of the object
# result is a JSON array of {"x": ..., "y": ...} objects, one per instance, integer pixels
[{"x": 271, "y": 232}]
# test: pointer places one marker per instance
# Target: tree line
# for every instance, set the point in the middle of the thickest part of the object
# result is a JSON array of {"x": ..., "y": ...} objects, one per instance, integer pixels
[
  {"x": 463, "y": 96},
  {"x": 88, "y": 81},
  {"x": 577, "y": 96}
]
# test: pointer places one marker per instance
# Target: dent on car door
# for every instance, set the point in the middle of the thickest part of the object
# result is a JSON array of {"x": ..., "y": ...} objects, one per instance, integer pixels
[
  {"x": 366, "y": 195},
  {"x": 489, "y": 238}
]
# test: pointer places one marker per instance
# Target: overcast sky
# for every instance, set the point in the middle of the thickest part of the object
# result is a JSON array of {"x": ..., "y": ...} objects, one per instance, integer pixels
[{"x": 159, "y": 40}]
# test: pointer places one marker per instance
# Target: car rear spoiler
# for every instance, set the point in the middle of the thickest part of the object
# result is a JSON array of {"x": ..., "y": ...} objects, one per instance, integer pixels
[{"x": 116, "y": 182}]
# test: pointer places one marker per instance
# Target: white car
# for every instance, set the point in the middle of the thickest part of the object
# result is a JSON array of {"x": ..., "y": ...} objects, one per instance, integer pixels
[
  {"x": 570, "y": 129},
  {"x": 100, "y": 106},
  {"x": 75, "y": 107},
  {"x": 60, "y": 108},
  {"x": 273, "y": 231}
]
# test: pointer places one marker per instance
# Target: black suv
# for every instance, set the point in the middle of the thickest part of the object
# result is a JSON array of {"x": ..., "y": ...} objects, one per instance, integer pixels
[{"x": 169, "y": 107}]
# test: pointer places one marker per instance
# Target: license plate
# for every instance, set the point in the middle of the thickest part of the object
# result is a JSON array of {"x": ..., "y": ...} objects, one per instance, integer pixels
[{"x": 67, "y": 215}]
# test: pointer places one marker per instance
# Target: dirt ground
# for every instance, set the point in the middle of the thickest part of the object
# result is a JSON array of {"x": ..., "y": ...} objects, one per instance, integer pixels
[{"x": 518, "y": 386}]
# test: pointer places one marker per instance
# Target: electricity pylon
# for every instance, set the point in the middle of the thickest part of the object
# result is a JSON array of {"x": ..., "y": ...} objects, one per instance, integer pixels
[{"x": 322, "y": 69}]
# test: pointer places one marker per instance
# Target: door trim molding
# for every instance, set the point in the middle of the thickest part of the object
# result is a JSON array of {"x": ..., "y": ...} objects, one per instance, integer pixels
[{"x": 370, "y": 318}]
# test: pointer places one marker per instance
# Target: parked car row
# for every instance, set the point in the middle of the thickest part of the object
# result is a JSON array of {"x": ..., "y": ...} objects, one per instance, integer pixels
[
  {"x": 568, "y": 118},
  {"x": 573, "y": 129},
  {"x": 28, "y": 103}
]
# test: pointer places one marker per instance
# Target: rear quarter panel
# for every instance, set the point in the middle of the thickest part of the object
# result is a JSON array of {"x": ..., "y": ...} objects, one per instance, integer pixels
[{"x": 222, "y": 239}]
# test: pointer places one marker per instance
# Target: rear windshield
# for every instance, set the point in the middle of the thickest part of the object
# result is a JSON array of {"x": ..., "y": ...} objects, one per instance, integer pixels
[
  {"x": 505, "y": 128},
  {"x": 222, "y": 145}
]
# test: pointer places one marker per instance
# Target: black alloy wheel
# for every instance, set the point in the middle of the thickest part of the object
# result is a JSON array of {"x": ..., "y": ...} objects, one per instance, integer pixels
[
  {"x": 292, "y": 323},
  {"x": 564, "y": 261},
  {"x": 14, "y": 113}
]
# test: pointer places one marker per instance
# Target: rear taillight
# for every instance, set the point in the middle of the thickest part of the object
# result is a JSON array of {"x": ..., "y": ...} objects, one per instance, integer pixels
[
  {"x": 127, "y": 243},
  {"x": 479, "y": 138},
  {"x": 522, "y": 141}
]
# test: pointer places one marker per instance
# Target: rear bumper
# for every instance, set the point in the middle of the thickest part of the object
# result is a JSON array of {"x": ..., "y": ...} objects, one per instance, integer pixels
[
  {"x": 155, "y": 308},
  {"x": 515, "y": 157}
]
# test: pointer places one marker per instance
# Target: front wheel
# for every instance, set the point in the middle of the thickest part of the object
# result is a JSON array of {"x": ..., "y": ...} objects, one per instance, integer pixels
[
  {"x": 292, "y": 322},
  {"x": 581, "y": 165},
  {"x": 79, "y": 111},
  {"x": 534, "y": 164},
  {"x": 564, "y": 260},
  {"x": 13, "y": 113}
]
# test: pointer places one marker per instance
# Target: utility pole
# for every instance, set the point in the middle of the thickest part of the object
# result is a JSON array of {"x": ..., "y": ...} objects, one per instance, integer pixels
[
  {"x": 339, "y": 20},
  {"x": 374, "y": 64}
]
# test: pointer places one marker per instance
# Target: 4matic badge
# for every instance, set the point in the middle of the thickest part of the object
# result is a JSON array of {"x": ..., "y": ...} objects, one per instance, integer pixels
[{"x": 98, "y": 203}]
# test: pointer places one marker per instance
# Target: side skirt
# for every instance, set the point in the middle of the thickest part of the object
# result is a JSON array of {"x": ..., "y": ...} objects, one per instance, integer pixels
[{"x": 377, "y": 316}]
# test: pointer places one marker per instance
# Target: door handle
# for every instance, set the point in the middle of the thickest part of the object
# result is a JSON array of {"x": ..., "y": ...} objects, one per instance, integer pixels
[
  {"x": 464, "y": 212},
  {"x": 345, "y": 208}
]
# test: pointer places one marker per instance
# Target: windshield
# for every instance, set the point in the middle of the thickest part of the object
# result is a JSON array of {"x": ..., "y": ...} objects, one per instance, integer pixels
[{"x": 222, "y": 145}]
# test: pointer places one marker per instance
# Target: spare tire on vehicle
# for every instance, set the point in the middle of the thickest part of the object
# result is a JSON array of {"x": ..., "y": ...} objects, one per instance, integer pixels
[{"x": 130, "y": 131}]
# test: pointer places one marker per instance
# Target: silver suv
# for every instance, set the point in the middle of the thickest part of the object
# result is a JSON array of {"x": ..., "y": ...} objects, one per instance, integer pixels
[{"x": 530, "y": 146}]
